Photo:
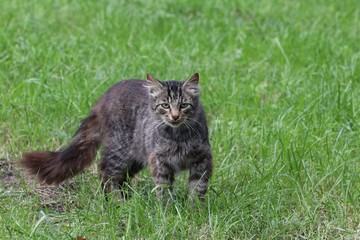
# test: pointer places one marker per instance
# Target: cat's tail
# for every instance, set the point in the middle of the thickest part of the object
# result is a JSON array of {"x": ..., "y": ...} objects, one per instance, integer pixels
[{"x": 55, "y": 167}]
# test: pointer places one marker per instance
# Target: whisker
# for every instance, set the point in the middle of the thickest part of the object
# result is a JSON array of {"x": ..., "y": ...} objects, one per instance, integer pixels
[{"x": 192, "y": 128}]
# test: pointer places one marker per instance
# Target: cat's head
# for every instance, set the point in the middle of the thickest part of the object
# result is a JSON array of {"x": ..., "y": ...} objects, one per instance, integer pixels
[{"x": 174, "y": 102}]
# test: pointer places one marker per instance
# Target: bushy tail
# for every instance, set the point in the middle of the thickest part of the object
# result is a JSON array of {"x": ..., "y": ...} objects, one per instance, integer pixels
[{"x": 55, "y": 167}]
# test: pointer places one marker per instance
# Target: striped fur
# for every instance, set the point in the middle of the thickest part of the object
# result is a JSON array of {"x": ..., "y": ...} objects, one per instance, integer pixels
[{"x": 139, "y": 123}]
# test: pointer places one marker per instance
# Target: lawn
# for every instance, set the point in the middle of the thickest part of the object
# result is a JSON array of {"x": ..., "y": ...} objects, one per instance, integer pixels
[{"x": 280, "y": 84}]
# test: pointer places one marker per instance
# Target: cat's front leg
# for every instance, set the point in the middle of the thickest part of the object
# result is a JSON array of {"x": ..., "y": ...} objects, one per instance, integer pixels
[
  {"x": 199, "y": 176},
  {"x": 163, "y": 176}
]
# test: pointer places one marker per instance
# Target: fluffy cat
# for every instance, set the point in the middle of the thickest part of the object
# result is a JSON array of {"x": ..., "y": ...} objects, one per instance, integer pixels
[{"x": 160, "y": 124}]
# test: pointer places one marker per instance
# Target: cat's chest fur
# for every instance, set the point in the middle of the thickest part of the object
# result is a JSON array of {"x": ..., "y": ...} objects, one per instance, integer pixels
[{"x": 177, "y": 154}]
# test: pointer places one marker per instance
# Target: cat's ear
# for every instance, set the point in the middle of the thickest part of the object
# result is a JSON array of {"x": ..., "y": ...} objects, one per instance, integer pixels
[
  {"x": 155, "y": 86},
  {"x": 192, "y": 85}
]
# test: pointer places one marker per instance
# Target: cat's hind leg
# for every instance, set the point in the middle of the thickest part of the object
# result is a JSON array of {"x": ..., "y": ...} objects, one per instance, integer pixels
[{"x": 116, "y": 172}]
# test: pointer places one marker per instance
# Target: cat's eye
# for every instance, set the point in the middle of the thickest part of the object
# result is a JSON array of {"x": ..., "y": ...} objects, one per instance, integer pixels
[
  {"x": 165, "y": 105},
  {"x": 184, "y": 105}
]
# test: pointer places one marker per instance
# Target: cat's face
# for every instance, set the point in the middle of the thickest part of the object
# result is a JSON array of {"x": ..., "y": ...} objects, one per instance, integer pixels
[{"x": 174, "y": 102}]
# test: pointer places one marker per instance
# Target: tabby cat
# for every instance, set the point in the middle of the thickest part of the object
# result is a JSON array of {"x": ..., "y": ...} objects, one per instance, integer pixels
[{"x": 138, "y": 123}]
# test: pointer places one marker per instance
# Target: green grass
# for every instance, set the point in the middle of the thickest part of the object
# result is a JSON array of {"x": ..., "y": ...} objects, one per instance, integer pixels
[{"x": 281, "y": 87}]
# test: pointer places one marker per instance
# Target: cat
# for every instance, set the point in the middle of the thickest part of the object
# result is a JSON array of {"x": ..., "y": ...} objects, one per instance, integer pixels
[{"x": 160, "y": 124}]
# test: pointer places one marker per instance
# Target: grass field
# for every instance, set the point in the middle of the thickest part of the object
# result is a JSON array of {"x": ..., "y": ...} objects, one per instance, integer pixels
[{"x": 281, "y": 87}]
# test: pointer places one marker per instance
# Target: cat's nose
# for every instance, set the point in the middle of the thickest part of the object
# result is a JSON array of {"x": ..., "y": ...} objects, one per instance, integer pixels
[{"x": 175, "y": 117}]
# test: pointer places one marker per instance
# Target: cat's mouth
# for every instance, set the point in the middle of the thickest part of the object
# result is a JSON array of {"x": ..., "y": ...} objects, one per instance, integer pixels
[{"x": 174, "y": 123}]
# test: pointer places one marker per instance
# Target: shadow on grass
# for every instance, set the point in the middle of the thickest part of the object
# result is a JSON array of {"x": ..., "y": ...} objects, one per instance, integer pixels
[{"x": 15, "y": 180}]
